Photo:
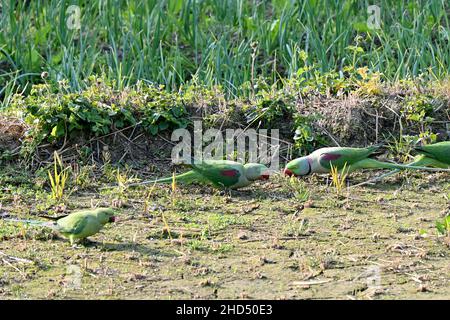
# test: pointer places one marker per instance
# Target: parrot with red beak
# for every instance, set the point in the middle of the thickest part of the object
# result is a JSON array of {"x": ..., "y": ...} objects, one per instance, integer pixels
[
  {"x": 219, "y": 173},
  {"x": 321, "y": 160},
  {"x": 77, "y": 225}
]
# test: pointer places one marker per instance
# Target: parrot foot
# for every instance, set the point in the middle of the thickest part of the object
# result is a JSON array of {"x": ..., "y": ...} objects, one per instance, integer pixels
[{"x": 82, "y": 243}]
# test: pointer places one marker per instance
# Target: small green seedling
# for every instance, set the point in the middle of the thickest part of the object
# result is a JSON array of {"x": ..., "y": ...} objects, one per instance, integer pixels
[
  {"x": 58, "y": 179},
  {"x": 443, "y": 227},
  {"x": 339, "y": 178}
]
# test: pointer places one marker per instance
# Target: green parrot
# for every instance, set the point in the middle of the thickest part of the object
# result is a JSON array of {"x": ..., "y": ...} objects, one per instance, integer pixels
[
  {"x": 320, "y": 161},
  {"x": 77, "y": 225},
  {"x": 219, "y": 173},
  {"x": 435, "y": 155}
]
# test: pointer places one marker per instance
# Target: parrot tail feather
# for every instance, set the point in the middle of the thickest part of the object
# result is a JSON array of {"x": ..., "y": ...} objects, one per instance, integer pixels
[
  {"x": 376, "y": 179},
  {"x": 375, "y": 164},
  {"x": 34, "y": 223},
  {"x": 419, "y": 163},
  {"x": 187, "y": 177}
]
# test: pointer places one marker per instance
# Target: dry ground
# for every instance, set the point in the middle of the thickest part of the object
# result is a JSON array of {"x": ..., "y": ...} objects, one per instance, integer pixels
[{"x": 374, "y": 242}]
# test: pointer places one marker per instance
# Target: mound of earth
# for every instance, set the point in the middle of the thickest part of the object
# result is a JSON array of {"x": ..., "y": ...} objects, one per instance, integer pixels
[{"x": 12, "y": 131}]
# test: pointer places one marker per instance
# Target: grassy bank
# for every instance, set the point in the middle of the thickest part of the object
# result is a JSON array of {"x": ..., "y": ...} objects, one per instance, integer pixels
[{"x": 310, "y": 113}]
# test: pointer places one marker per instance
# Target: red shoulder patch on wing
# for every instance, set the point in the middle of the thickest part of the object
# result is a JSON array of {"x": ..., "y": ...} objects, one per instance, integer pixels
[
  {"x": 330, "y": 156},
  {"x": 229, "y": 173}
]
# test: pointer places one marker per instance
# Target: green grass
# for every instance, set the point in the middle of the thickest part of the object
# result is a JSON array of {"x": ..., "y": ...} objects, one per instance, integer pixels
[{"x": 216, "y": 42}]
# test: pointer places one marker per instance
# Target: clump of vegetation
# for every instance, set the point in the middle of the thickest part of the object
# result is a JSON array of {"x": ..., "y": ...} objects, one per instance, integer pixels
[
  {"x": 443, "y": 226},
  {"x": 58, "y": 179},
  {"x": 298, "y": 188},
  {"x": 98, "y": 110},
  {"x": 401, "y": 148},
  {"x": 56, "y": 114},
  {"x": 162, "y": 110},
  {"x": 339, "y": 179},
  {"x": 306, "y": 138}
]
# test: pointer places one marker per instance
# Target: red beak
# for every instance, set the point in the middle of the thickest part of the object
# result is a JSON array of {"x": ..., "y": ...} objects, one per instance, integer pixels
[
  {"x": 265, "y": 177},
  {"x": 112, "y": 219},
  {"x": 288, "y": 172}
]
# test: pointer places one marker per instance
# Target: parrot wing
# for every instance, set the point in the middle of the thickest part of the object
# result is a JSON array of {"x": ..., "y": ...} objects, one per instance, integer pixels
[
  {"x": 72, "y": 224},
  {"x": 338, "y": 157},
  {"x": 220, "y": 173}
]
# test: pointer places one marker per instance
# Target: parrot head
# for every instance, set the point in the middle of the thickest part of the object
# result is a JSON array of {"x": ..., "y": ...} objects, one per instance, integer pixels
[
  {"x": 298, "y": 167},
  {"x": 105, "y": 215},
  {"x": 256, "y": 171}
]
